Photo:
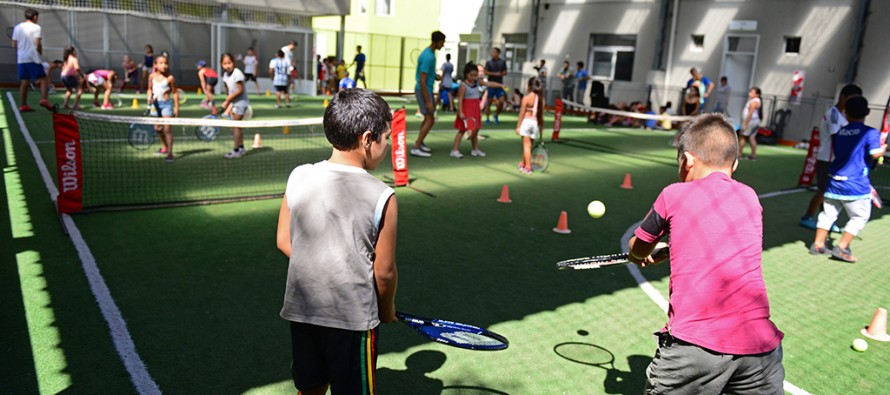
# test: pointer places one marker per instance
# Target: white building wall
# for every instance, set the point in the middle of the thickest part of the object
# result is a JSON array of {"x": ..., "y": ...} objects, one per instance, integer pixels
[{"x": 826, "y": 28}]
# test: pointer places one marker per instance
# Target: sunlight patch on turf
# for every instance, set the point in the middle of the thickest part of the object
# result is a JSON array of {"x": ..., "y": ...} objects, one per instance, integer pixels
[{"x": 49, "y": 358}]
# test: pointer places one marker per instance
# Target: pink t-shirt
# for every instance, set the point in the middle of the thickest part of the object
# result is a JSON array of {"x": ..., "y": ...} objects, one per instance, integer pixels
[{"x": 717, "y": 294}]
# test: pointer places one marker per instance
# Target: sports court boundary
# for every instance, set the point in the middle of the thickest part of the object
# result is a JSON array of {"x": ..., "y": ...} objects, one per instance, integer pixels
[
  {"x": 120, "y": 336},
  {"x": 659, "y": 299}
]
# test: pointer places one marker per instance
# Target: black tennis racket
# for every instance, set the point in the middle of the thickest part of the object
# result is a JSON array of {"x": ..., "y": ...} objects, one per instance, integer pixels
[
  {"x": 141, "y": 136},
  {"x": 540, "y": 159},
  {"x": 595, "y": 262},
  {"x": 207, "y": 133},
  {"x": 455, "y": 334}
]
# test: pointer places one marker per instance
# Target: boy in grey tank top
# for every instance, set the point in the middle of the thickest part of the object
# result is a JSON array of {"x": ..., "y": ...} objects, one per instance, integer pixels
[{"x": 337, "y": 225}]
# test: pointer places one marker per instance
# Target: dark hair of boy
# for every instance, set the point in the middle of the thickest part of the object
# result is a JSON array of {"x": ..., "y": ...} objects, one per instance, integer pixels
[
  {"x": 353, "y": 112},
  {"x": 856, "y": 108},
  {"x": 280, "y": 53},
  {"x": 712, "y": 139},
  {"x": 31, "y": 13},
  {"x": 851, "y": 90},
  {"x": 580, "y": 65},
  {"x": 437, "y": 36}
]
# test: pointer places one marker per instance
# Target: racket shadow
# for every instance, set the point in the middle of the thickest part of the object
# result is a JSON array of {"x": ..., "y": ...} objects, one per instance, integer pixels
[
  {"x": 415, "y": 378},
  {"x": 617, "y": 381}
]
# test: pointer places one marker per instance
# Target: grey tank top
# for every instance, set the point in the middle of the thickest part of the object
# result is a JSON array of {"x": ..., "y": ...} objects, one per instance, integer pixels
[
  {"x": 336, "y": 212},
  {"x": 471, "y": 91}
]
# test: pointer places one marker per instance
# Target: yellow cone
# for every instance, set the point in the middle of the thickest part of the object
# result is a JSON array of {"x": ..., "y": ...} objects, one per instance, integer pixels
[
  {"x": 135, "y": 104},
  {"x": 286, "y": 129},
  {"x": 325, "y": 105},
  {"x": 268, "y": 93},
  {"x": 200, "y": 92}
]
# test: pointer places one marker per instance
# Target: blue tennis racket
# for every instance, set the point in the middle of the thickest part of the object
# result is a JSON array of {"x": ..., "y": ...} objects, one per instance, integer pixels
[{"x": 455, "y": 334}]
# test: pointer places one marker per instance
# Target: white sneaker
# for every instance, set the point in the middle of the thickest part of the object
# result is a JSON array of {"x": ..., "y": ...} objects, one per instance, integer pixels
[
  {"x": 235, "y": 154},
  {"x": 426, "y": 149},
  {"x": 419, "y": 152},
  {"x": 456, "y": 154},
  {"x": 478, "y": 153}
]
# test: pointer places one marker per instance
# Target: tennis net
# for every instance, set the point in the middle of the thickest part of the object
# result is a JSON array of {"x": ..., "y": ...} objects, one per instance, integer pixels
[{"x": 108, "y": 162}]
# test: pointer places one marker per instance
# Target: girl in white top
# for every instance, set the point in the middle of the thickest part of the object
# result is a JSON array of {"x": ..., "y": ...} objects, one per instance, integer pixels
[
  {"x": 751, "y": 122},
  {"x": 236, "y": 102},
  {"x": 468, "y": 111},
  {"x": 531, "y": 122},
  {"x": 164, "y": 102}
]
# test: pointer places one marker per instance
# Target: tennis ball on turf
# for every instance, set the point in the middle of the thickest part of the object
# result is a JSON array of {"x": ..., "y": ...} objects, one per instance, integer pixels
[
  {"x": 596, "y": 209},
  {"x": 860, "y": 345}
]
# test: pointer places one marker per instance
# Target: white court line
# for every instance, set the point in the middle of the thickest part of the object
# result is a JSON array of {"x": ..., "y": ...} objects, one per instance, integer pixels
[
  {"x": 123, "y": 342},
  {"x": 663, "y": 303}
]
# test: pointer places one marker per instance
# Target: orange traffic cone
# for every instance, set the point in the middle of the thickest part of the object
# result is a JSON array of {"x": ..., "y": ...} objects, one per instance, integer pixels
[
  {"x": 563, "y": 225},
  {"x": 505, "y": 195},
  {"x": 877, "y": 330},
  {"x": 257, "y": 141},
  {"x": 627, "y": 184}
]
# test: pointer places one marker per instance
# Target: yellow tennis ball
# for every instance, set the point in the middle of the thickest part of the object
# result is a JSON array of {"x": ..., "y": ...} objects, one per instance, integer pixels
[
  {"x": 596, "y": 209},
  {"x": 860, "y": 345}
]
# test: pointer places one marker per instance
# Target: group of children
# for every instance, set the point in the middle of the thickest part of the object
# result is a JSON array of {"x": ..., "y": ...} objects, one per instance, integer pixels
[{"x": 164, "y": 100}]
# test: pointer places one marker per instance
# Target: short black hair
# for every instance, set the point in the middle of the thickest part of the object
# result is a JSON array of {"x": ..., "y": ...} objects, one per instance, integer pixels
[
  {"x": 580, "y": 65},
  {"x": 280, "y": 53},
  {"x": 447, "y": 56},
  {"x": 31, "y": 13},
  {"x": 351, "y": 113},
  {"x": 711, "y": 138},
  {"x": 437, "y": 36},
  {"x": 851, "y": 90},
  {"x": 856, "y": 107},
  {"x": 358, "y": 47}
]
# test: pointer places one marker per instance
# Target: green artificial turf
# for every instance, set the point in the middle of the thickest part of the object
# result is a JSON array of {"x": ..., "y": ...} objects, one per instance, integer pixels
[{"x": 200, "y": 287}]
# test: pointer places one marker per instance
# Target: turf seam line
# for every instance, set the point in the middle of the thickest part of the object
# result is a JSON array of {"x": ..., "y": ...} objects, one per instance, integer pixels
[
  {"x": 663, "y": 304},
  {"x": 120, "y": 336}
]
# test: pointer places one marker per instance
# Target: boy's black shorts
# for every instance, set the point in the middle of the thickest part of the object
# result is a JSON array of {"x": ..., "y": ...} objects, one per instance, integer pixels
[
  {"x": 281, "y": 88},
  {"x": 347, "y": 360}
]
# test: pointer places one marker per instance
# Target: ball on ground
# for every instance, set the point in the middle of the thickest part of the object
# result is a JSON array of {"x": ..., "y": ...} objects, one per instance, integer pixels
[
  {"x": 860, "y": 345},
  {"x": 596, "y": 209}
]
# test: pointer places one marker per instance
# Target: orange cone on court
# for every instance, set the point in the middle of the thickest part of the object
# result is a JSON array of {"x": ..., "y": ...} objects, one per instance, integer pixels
[
  {"x": 135, "y": 104},
  {"x": 325, "y": 104},
  {"x": 563, "y": 225},
  {"x": 257, "y": 141},
  {"x": 505, "y": 195},
  {"x": 627, "y": 184},
  {"x": 877, "y": 330}
]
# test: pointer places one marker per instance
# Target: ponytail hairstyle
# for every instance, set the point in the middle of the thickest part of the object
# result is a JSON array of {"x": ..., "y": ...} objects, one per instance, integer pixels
[
  {"x": 68, "y": 52},
  {"x": 760, "y": 107},
  {"x": 534, "y": 85}
]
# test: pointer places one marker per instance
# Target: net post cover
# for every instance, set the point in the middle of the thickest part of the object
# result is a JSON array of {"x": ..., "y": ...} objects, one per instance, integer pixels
[
  {"x": 69, "y": 163},
  {"x": 399, "y": 148}
]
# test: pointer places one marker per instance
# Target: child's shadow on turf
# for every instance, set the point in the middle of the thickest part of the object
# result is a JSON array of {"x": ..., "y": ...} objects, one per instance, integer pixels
[
  {"x": 414, "y": 379},
  {"x": 632, "y": 382}
]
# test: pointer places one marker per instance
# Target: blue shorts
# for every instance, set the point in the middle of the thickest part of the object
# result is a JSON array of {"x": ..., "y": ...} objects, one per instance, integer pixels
[
  {"x": 31, "y": 71},
  {"x": 496, "y": 93},
  {"x": 71, "y": 81},
  {"x": 162, "y": 108}
]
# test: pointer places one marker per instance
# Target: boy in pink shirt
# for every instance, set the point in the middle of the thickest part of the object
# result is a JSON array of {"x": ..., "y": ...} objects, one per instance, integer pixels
[{"x": 718, "y": 338}]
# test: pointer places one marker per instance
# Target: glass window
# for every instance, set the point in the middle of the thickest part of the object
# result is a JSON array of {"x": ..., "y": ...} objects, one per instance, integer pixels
[
  {"x": 384, "y": 7},
  {"x": 612, "y": 56},
  {"x": 792, "y": 46}
]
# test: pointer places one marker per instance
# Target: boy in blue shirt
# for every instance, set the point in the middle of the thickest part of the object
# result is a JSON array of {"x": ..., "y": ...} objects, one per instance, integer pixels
[{"x": 849, "y": 187}]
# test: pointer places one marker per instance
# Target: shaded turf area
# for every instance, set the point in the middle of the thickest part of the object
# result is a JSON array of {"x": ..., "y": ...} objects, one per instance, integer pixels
[{"x": 200, "y": 287}]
